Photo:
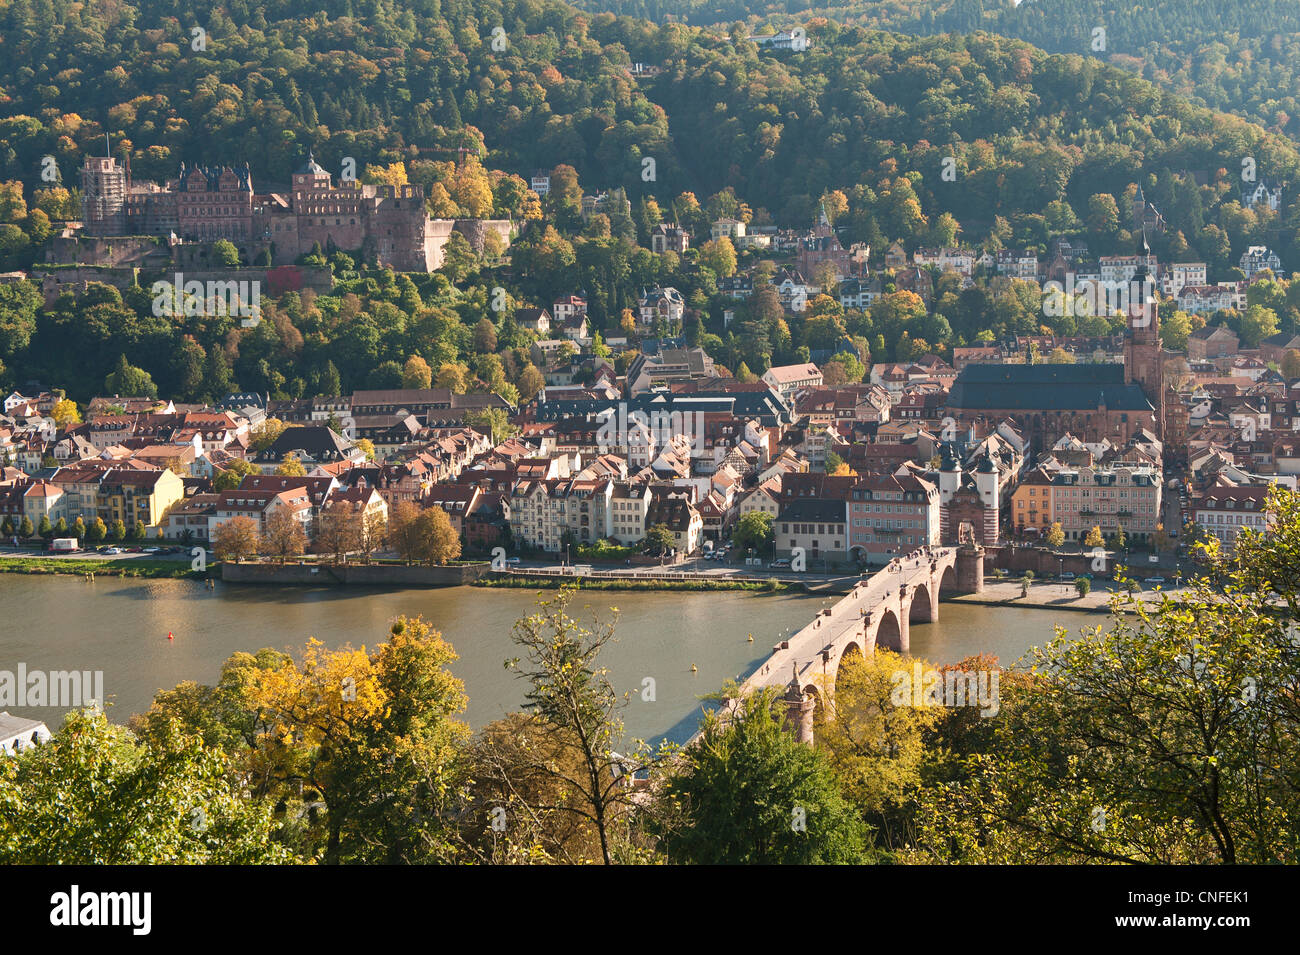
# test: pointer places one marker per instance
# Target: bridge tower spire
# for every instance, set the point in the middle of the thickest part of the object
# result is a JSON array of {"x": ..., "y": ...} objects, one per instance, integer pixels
[{"x": 799, "y": 708}]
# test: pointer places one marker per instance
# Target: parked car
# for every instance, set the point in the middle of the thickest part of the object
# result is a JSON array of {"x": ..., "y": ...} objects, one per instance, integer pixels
[
  {"x": 780, "y": 562},
  {"x": 112, "y": 550},
  {"x": 1068, "y": 575},
  {"x": 512, "y": 560},
  {"x": 1154, "y": 581}
]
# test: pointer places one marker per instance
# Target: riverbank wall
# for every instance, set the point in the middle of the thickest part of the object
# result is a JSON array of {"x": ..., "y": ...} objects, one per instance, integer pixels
[
  {"x": 358, "y": 575},
  {"x": 525, "y": 581}
]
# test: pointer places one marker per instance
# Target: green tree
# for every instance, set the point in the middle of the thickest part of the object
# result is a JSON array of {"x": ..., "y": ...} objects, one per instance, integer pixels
[
  {"x": 127, "y": 380},
  {"x": 875, "y": 745},
  {"x": 1290, "y": 365},
  {"x": 573, "y": 711},
  {"x": 236, "y": 470},
  {"x": 485, "y": 336},
  {"x": 225, "y": 254},
  {"x": 95, "y": 795},
  {"x": 529, "y": 382},
  {"x": 658, "y": 539},
  {"x": 1257, "y": 324},
  {"x": 494, "y": 421},
  {"x": 719, "y": 256},
  {"x": 1197, "y": 767},
  {"x": 1175, "y": 330},
  {"x": 754, "y": 530},
  {"x": 1118, "y": 540},
  {"x": 748, "y": 792},
  {"x": 290, "y": 466}
]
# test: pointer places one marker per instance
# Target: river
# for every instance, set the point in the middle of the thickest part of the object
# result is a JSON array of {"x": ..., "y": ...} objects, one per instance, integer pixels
[{"x": 120, "y": 627}]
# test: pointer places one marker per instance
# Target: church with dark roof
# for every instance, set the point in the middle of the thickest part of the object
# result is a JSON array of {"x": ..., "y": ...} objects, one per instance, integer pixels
[{"x": 1091, "y": 401}]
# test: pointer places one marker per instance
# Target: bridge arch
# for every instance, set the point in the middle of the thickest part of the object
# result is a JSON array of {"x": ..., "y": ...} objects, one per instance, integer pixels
[
  {"x": 948, "y": 579},
  {"x": 889, "y": 633},
  {"x": 851, "y": 652},
  {"x": 925, "y": 605}
]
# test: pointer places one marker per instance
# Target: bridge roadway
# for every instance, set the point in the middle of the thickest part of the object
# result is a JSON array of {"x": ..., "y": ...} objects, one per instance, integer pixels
[{"x": 877, "y": 612}]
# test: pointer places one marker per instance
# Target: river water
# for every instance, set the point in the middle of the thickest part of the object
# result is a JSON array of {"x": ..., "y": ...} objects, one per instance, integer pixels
[{"x": 120, "y": 627}]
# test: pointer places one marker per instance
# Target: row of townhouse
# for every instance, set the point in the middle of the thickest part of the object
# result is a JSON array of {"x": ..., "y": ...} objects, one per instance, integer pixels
[
  {"x": 137, "y": 496},
  {"x": 1066, "y": 261},
  {"x": 206, "y": 431},
  {"x": 545, "y": 514},
  {"x": 853, "y": 403},
  {"x": 1080, "y": 499},
  {"x": 863, "y": 520},
  {"x": 1207, "y": 299},
  {"x": 1225, "y": 509},
  {"x": 478, "y": 514},
  {"x": 259, "y": 497}
]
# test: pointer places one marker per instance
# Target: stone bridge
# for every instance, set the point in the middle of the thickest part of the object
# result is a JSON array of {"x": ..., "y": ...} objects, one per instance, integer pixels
[{"x": 878, "y": 612}]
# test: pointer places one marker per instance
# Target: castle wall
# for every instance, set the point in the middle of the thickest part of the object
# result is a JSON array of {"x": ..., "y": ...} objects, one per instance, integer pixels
[{"x": 114, "y": 252}]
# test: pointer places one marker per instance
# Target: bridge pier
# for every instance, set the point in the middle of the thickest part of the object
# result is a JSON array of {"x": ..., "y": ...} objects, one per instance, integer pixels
[
  {"x": 970, "y": 568},
  {"x": 904, "y": 614}
]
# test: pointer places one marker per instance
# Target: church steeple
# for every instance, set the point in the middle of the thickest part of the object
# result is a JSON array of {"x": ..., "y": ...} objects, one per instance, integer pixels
[{"x": 1142, "y": 362}]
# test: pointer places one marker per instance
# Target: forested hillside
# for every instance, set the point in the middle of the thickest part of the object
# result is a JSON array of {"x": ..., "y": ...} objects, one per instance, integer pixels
[
  {"x": 382, "y": 81},
  {"x": 976, "y": 139},
  {"x": 1236, "y": 56}
]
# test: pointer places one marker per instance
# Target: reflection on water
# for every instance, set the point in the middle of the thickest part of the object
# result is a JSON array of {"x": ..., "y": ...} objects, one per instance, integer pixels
[
  {"x": 965, "y": 630},
  {"x": 121, "y": 627}
]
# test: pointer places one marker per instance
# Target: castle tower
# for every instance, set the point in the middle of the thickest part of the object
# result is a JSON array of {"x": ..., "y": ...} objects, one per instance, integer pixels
[
  {"x": 986, "y": 481},
  {"x": 103, "y": 196},
  {"x": 949, "y": 474},
  {"x": 986, "y": 485},
  {"x": 309, "y": 178}
]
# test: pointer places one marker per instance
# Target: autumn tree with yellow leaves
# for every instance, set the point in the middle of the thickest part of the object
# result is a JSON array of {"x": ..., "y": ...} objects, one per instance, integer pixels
[{"x": 357, "y": 749}]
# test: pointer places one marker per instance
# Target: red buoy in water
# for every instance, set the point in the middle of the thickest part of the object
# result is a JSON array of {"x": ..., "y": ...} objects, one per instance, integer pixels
[{"x": 169, "y": 635}]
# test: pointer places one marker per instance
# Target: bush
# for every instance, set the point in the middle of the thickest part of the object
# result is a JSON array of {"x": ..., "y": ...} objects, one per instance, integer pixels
[{"x": 1084, "y": 586}]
